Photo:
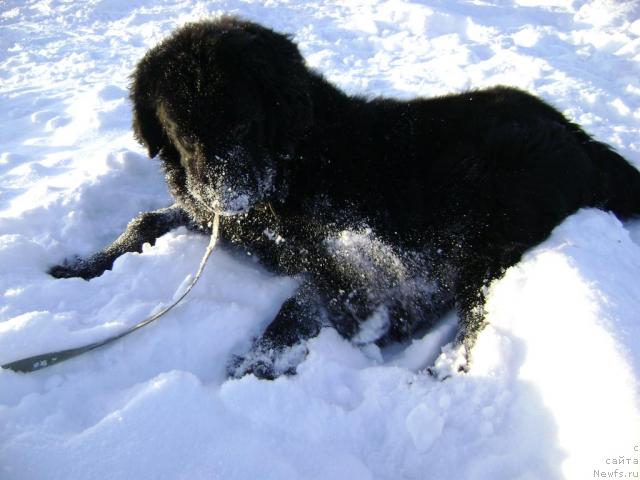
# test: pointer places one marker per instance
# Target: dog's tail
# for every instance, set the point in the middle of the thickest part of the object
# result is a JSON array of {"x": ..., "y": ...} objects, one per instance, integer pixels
[{"x": 618, "y": 183}]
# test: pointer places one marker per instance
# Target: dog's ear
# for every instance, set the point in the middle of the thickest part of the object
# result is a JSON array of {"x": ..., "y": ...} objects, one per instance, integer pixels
[{"x": 146, "y": 127}]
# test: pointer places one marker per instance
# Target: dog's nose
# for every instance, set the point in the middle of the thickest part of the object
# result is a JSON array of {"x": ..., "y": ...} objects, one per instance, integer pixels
[
  {"x": 231, "y": 203},
  {"x": 228, "y": 199}
]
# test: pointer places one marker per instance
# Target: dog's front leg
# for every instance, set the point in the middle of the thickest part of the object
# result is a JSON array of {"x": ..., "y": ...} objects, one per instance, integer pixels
[
  {"x": 145, "y": 228},
  {"x": 281, "y": 347}
]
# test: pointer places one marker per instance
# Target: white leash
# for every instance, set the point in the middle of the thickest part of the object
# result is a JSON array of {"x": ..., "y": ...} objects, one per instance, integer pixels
[{"x": 38, "y": 362}]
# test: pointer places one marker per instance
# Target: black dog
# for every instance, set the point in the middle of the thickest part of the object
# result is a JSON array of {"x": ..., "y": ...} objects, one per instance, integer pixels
[{"x": 390, "y": 212}]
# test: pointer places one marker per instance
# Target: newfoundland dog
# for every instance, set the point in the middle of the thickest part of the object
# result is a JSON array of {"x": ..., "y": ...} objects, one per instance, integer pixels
[{"x": 389, "y": 212}]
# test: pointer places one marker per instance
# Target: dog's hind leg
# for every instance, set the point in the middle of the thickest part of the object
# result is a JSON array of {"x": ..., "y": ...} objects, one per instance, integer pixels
[
  {"x": 477, "y": 267},
  {"x": 145, "y": 228},
  {"x": 455, "y": 357}
]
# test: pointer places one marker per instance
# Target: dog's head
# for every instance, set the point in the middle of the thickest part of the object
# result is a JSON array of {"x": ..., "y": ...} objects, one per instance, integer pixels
[{"x": 223, "y": 102}]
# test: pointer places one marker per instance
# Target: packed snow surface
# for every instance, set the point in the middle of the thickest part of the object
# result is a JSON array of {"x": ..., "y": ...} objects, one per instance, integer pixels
[{"x": 553, "y": 391}]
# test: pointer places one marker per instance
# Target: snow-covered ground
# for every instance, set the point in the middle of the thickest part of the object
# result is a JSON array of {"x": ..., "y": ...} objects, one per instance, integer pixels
[{"x": 554, "y": 391}]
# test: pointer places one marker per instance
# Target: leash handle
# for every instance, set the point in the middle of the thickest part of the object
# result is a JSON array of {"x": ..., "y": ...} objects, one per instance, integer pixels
[{"x": 38, "y": 362}]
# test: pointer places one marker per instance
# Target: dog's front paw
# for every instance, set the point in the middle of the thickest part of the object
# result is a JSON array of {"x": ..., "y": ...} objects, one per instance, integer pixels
[
  {"x": 267, "y": 364},
  {"x": 262, "y": 368},
  {"x": 453, "y": 360},
  {"x": 69, "y": 268},
  {"x": 78, "y": 267}
]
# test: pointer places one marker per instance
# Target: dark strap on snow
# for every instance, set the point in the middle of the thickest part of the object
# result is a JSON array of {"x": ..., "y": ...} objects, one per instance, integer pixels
[{"x": 38, "y": 362}]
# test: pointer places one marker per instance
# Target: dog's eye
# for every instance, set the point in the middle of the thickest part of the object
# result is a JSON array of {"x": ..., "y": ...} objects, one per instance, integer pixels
[{"x": 241, "y": 131}]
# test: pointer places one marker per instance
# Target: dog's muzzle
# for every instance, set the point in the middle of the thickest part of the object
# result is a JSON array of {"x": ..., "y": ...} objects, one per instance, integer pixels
[{"x": 229, "y": 201}]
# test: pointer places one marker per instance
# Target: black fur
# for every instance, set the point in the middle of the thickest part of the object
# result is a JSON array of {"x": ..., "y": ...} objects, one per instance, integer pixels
[{"x": 388, "y": 210}]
